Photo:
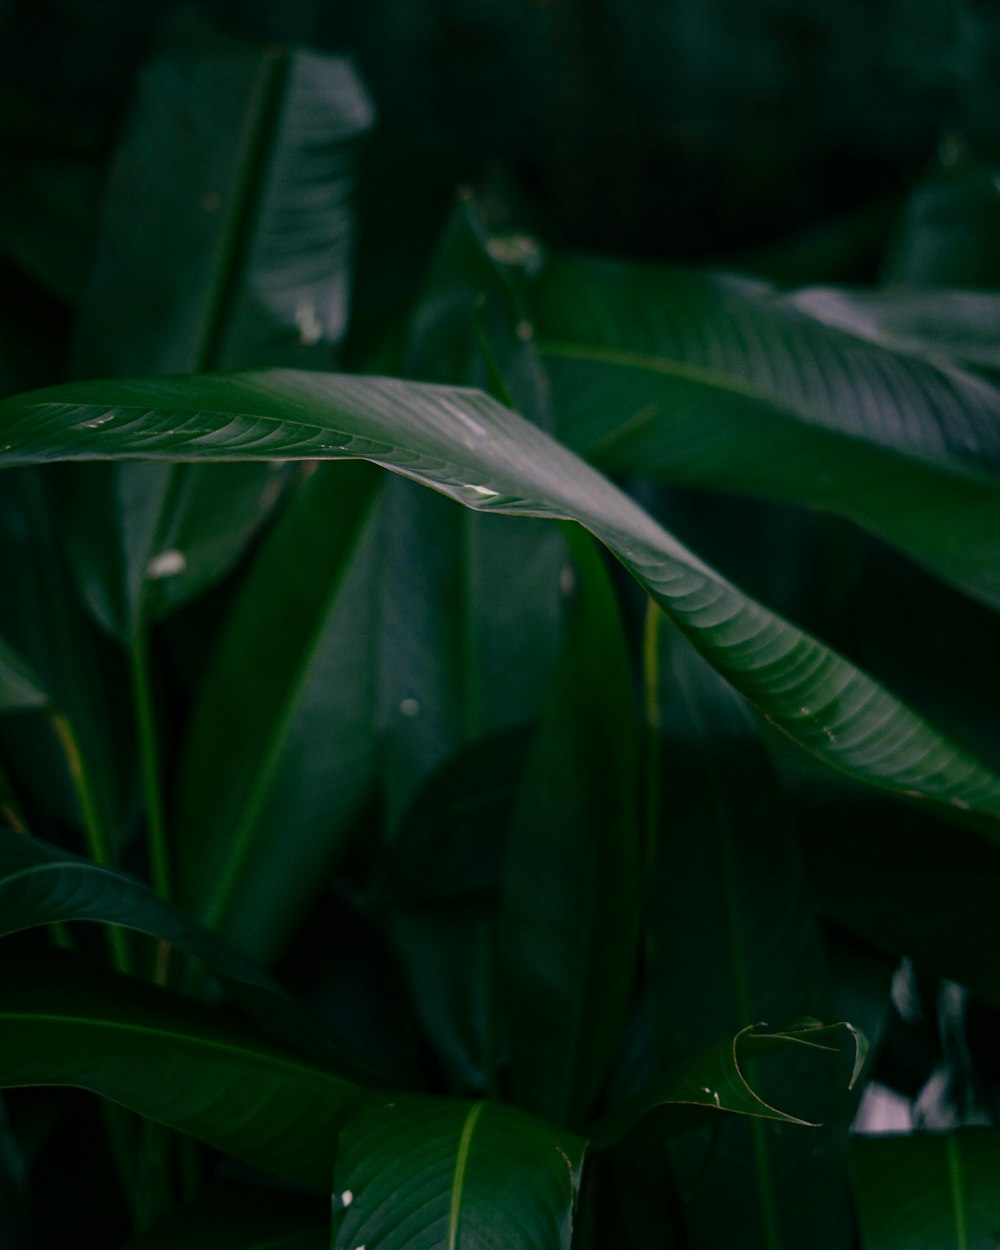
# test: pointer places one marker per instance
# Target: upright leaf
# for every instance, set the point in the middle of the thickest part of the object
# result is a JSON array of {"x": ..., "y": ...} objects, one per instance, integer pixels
[
  {"x": 422, "y": 1173},
  {"x": 570, "y": 901},
  {"x": 470, "y": 607},
  {"x": 281, "y": 751},
  {"x": 929, "y": 1191},
  {"x": 240, "y": 161}
]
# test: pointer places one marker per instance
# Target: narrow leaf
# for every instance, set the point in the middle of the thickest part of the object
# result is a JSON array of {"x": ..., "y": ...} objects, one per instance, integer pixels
[
  {"x": 280, "y": 755},
  {"x": 726, "y": 870},
  {"x": 570, "y": 902}
]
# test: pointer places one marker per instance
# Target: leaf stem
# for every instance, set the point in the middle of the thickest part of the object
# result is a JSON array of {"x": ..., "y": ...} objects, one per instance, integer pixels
[{"x": 159, "y": 856}]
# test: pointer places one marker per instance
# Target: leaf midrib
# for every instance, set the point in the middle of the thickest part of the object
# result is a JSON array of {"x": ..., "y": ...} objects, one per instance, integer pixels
[{"x": 804, "y": 416}]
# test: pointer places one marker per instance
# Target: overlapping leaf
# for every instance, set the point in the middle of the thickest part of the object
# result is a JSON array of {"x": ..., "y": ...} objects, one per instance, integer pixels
[
  {"x": 716, "y": 1080},
  {"x": 715, "y": 382},
  {"x": 280, "y": 755},
  {"x": 63, "y": 1022},
  {"x": 726, "y": 869},
  {"x": 571, "y": 897},
  {"x": 467, "y": 446},
  {"x": 42, "y": 884},
  {"x": 422, "y": 1173}
]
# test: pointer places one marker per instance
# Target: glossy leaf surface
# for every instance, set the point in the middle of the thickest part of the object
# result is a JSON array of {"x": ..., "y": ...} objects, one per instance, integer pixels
[
  {"x": 469, "y": 447},
  {"x": 716, "y": 382},
  {"x": 726, "y": 868},
  {"x": 929, "y": 1191},
  {"x": 63, "y": 1022},
  {"x": 422, "y": 1173}
]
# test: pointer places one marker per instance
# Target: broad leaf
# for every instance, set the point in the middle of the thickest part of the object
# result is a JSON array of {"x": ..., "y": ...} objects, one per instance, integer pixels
[
  {"x": 956, "y": 325},
  {"x": 42, "y": 884},
  {"x": 715, "y": 382},
  {"x": 726, "y": 870},
  {"x": 280, "y": 755},
  {"x": 246, "y": 270},
  {"x": 571, "y": 895},
  {"x": 716, "y": 1080},
  {"x": 422, "y": 1173},
  {"x": 471, "y": 448},
  {"x": 63, "y": 1022},
  {"x": 929, "y": 1191}
]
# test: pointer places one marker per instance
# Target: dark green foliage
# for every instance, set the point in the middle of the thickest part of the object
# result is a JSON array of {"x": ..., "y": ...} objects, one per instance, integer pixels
[{"x": 489, "y": 729}]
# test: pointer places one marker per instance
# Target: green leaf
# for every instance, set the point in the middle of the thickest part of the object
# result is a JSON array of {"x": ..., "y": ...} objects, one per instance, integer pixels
[
  {"x": 956, "y": 325},
  {"x": 471, "y": 448},
  {"x": 471, "y": 607},
  {"x": 571, "y": 895},
  {"x": 928, "y": 1191},
  {"x": 236, "y": 1217},
  {"x": 726, "y": 869},
  {"x": 19, "y": 686},
  {"x": 715, "y": 1080},
  {"x": 240, "y": 162},
  {"x": 422, "y": 1173},
  {"x": 42, "y": 884},
  {"x": 441, "y": 879},
  {"x": 63, "y": 1022},
  {"x": 716, "y": 382},
  {"x": 280, "y": 756}
]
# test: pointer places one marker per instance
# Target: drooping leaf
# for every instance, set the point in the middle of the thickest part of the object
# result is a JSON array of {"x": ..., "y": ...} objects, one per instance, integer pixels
[
  {"x": 421, "y": 1173},
  {"x": 726, "y": 870},
  {"x": 716, "y": 1080},
  {"x": 470, "y": 613},
  {"x": 280, "y": 755},
  {"x": 237, "y": 1217},
  {"x": 42, "y": 884},
  {"x": 950, "y": 325},
  {"x": 713, "y": 381},
  {"x": 471, "y": 448},
  {"x": 571, "y": 894},
  {"x": 928, "y": 1191},
  {"x": 63, "y": 1022}
]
